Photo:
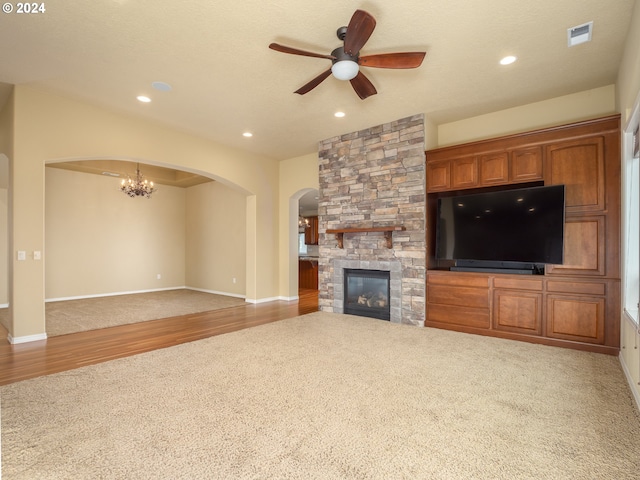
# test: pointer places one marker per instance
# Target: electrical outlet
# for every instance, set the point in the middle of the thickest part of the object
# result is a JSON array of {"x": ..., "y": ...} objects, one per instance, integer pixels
[
  {"x": 234, "y": 279},
  {"x": 159, "y": 276}
]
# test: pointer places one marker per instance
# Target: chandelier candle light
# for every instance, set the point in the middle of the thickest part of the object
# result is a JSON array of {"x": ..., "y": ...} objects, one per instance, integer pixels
[{"x": 138, "y": 187}]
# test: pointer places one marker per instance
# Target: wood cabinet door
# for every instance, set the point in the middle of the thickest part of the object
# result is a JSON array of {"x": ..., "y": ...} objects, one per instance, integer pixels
[
  {"x": 464, "y": 172},
  {"x": 579, "y": 165},
  {"x": 526, "y": 164},
  {"x": 494, "y": 169},
  {"x": 438, "y": 176},
  {"x": 578, "y": 318},
  {"x": 519, "y": 312},
  {"x": 311, "y": 232},
  {"x": 584, "y": 247}
]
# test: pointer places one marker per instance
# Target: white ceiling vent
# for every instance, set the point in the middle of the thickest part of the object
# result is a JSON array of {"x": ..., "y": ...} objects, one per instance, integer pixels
[{"x": 579, "y": 34}]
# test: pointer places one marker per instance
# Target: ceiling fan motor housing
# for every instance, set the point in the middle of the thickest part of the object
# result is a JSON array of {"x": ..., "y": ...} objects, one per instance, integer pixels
[
  {"x": 340, "y": 55},
  {"x": 344, "y": 66}
]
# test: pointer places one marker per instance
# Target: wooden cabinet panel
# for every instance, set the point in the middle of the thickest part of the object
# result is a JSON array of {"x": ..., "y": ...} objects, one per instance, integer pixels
[
  {"x": 584, "y": 247},
  {"x": 461, "y": 296},
  {"x": 457, "y": 315},
  {"x": 576, "y": 318},
  {"x": 464, "y": 172},
  {"x": 308, "y": 274},
  {"x": 438, "y": 176},
  {"x": 534, "y": 284},
  {"x": 311, "y": 232},
  {"x": 464, "y": 306},
  {"x": 494, "y": 169},
  {"x": 588, "y": 288},
  {"x": 464, "y": 280},
  {"x": 519, "y": 312},
  {"x": 526, "y": 164},
  {"x": 579, "y": 165}
]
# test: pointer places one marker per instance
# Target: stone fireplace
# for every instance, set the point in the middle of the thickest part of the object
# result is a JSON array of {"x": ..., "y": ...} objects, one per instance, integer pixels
[{"x": 371, "y": 179}]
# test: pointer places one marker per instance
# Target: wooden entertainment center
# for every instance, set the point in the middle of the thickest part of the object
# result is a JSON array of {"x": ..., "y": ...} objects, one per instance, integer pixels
[{"x": 574, "y": 305}]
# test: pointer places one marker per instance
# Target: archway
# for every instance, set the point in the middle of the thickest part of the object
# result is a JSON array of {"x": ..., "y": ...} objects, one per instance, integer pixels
[
  {"x": 301, "y": 203},
  {"x": 123, "y": 245}
]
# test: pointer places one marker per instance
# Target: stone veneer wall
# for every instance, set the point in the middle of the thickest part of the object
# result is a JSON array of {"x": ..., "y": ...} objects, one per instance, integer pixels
[{"x": 375, "y": 177}]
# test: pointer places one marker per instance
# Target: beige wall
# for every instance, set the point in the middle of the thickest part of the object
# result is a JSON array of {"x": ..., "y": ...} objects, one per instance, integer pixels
[
  {"x": 555, "y": 111},
  {"x": 6, "y": 150},
  {"x": 68, "y": 129},
  {"x": 99, "y": 241},
  {"x": 628, "y": 89},
  {"x": 216, "y": 233},
  {"x": 297, "y": 177},
  {"x": 4, "y": 247}
]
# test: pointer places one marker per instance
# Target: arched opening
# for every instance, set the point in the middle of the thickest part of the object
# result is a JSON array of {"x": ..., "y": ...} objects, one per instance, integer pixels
[
  {"x": 303, "y": 252},
  {"x": 99, "y": 242}
]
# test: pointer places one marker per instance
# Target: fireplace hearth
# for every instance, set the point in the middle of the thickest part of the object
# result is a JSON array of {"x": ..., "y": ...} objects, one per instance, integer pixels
[{"x": 367, "y": 293}]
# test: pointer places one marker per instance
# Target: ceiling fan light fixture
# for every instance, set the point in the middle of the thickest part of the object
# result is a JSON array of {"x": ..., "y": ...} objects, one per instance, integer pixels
[{"x": 345, "y": 69}]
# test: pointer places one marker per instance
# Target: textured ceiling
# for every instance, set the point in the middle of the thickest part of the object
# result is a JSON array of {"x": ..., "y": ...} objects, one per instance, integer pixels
[{"x": 226, "y": 81}]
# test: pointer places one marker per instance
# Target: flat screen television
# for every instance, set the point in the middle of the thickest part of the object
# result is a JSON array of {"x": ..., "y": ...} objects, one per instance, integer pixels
[{"x": 519, "y": 229}]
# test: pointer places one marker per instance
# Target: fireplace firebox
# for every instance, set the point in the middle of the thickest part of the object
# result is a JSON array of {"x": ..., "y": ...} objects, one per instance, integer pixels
[{"x": 367, "y": 293}]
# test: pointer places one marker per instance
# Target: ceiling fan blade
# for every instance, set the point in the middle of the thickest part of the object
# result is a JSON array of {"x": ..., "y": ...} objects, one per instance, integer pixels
[
  {"x": 313, "y": 83},
  {"x": 393, "y": 60},
  {"x": 359, "y": 30},
  {"x": 363, "y": 87},
  {"x": 294, "y": 51}
]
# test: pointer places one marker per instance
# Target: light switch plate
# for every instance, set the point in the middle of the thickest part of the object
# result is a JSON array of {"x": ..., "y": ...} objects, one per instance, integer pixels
[{"x": 22, "y": 255}]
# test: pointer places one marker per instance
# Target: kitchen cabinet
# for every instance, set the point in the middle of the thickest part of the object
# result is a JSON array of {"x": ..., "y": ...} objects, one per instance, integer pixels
[
  {"x": 311, "y": 232},
  {"x": 308, "y": 273}
]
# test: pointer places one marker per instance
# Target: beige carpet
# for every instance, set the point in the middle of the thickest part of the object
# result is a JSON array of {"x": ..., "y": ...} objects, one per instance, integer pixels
[
  {"x": 73, "y": 316},
  {"x": 328, "y": 396}
]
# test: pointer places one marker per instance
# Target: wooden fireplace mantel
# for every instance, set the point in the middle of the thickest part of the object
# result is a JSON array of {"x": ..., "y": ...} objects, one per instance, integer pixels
[{"x": 388, "y": 232}]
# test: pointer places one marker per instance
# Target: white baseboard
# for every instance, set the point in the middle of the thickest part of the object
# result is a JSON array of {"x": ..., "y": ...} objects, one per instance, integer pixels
[
  {"x": 216, "y": 292},
  {"x": 115, "y": 294},
  {"x": 112, "y": 294},
  {"x": 290, "y": 299},
  {"x": 4, "y": 305},
  {"x": 27, "y": 338},
  {"x": 265, "y": 300},
  {"x": 635, "y": 390}
]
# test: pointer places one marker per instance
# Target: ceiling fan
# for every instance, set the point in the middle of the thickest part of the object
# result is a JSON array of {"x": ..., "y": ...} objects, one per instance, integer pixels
[{"x": 346, "y": 60}]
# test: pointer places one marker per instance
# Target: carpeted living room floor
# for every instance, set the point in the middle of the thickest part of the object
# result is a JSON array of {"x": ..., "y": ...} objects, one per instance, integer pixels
[{"x": 328, "y": 396}]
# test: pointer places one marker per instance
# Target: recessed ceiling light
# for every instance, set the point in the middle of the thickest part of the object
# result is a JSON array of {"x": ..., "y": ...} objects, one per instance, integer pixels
[
  {"x": 162, "y": 86},
  {"x": 143, "y": 99},
  {"x": 247, "y": 134},
  {"x": 508, "y": 60},
  {"x": 339, "y": 114}
]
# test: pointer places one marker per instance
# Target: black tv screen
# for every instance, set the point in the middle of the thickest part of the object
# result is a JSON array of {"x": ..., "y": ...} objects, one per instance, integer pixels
[{"x": 521, "y": 225}]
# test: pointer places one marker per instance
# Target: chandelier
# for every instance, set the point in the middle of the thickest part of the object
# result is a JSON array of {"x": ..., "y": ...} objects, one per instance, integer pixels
[
  {"x": 138, "y": 186},
  {"x": 303, "y": 222}
]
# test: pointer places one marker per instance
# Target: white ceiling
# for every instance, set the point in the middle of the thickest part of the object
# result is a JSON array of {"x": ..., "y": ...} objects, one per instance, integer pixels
[{"x": 226, "y": 80}]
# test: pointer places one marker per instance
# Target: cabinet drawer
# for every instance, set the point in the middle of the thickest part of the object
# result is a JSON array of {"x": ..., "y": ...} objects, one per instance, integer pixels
[
  {"x": 479, "y": 281},
  {"x": 459, "y": 296},
  {"x": 588, "y": 288},
  {"x": 456, "y": 315},
  {"x": 517, "y": 283}
]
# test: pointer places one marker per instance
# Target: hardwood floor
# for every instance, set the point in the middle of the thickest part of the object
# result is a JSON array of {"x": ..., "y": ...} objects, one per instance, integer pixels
[{"x": 66, "y": 352}]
